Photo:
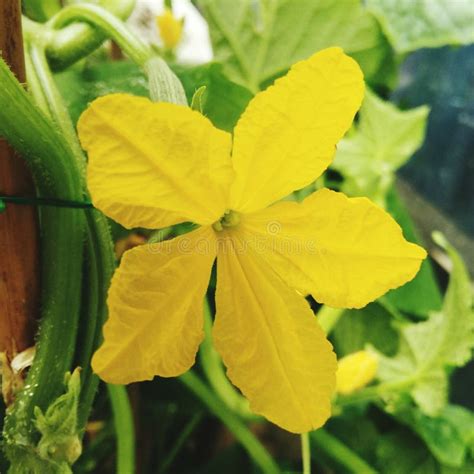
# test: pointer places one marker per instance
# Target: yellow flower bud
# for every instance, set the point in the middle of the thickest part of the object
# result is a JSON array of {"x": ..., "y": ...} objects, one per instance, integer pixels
[
  {"x": 355, "y": 371},
  {"x": 170, "y": 28}
]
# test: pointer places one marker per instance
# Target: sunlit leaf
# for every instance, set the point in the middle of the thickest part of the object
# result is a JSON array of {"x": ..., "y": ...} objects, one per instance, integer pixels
[
  {"x": 258, "y": 40},
  {"x": 428, "y": 348},
  {"x": 415, "y": 24},
  {"x": 381, "y": 142},
  {"x": 449, "y": 436}
]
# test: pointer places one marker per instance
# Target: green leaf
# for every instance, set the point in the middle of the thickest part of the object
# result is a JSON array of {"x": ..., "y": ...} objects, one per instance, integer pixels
[
  {"x": 381, "y": 142},
  {"x": 197, "y": 102},
  {"x": 415, "y": 24},
  {"x": 223, "y": 100},
  {"x": 429, "y": 348},
  {"x": 449, "y": 436},
  {"x": 457, "y": 307},
  {"x": 58, "y": 426},
  {"x": 257, "y": 40},
  {"x": 370, "y": 325},
  {"x": 401, "y": 452},
  {"x": 78, "y": 86},
  {"x": 421, "y": 295}
]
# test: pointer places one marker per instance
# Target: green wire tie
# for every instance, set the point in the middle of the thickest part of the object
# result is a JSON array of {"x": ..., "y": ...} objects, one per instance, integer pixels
[{"x": 39, "y": 201}]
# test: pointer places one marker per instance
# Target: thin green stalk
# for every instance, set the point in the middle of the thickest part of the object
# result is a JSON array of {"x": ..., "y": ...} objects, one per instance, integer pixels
[
  {"x": 57, "y": 109},
  {"x": 322, "y": 441},
  {"x": 248, "y": 440},
  {"x": 214, "y": 371},
  {"x": 90, "y": 306},
  {"x": 124, "y": 428},
  {"x": 49, "y": 157},
  {"x": 109, "y": 24},
  {"x": 34, "y": 85},
  {"x": 306, "y": 453},
  {"x": 183, "y": 436},
  {"x": 105, "y": 266},
  {"x": 375, "y": 392}
]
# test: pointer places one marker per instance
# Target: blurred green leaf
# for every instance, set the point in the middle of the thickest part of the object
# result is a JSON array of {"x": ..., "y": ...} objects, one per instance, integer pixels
[
  {"x": 258, "y": 40},
  {"x": 421, "y": 295},
  {"x": 428, "y": 348},
  {"x": 401, "y": 452},
  {"x": 369, "y": 325},
  {"x": 449, "y": 436},
  {"x": 381, "y": 142},
  {"x": 415, "y": 24},
  {"x": 223, "y": 100}
]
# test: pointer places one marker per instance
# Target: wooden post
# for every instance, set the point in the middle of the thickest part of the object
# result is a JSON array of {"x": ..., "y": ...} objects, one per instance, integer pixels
[{"x": 19, "y": 274}]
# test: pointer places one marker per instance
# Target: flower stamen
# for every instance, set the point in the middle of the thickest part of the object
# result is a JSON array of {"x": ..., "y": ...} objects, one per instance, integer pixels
[{"x": 229, "y": 219}]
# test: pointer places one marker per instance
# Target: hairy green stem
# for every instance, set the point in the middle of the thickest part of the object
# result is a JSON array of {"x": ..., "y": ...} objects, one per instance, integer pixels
[
  {"x": 124, "y": 428},
  {"x": 163, "y": 84},
  {"x": 246, "y": 438},
  {"x": 47, "y": 153},
  {"x": 53, "y": 101},
  {"x": 322, "y": 441},
  {"x": 99, "y": 249}
]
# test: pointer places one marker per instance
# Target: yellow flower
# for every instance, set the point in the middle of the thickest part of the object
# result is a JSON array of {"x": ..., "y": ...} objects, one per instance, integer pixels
[
  {"x": 355, "y": 371},
  {"x": 170, "y": 28},
  {"x": 158, "y": 164}
]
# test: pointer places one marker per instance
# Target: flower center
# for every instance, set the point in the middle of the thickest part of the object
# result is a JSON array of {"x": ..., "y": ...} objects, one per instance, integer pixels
[{"x": 229, "y": 219}]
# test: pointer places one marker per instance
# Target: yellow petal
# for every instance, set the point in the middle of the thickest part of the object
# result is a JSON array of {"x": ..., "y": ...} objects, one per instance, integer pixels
[
  {"x": 346, "y": 252},
  {"x": 287, "y": 136},
  {"x": 155, "y": 304},
  {"x": 271, "y": 343},
  {"x": 154, "y": 164},
  {"x": 355, "y": 371}
]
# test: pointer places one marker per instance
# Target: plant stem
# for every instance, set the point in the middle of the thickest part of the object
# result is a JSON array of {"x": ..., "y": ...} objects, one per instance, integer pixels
[
  {"x": 56, "y": 108},
  {"x": 374, "y": 392},
  {"x": 306, "y": 453},
  {"x": 183, "y": 436},
  {"x": 41, "y": 10},
  {"x": 78, "y": 39},
  {"x": 331, "y": 446},
  {"x": 99, "y": 250},
  {"x": 124, "y": 428},
  {"x": 251, "y": 444},
  {"x": 109, "y": 24},
  {"x": 56, "y": 176}
]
